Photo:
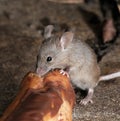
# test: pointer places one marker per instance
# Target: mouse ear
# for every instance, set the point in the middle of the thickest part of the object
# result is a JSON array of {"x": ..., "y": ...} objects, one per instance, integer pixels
[
  {"x": 66, "y": 39},
  {"x": 48, "y": 31}
]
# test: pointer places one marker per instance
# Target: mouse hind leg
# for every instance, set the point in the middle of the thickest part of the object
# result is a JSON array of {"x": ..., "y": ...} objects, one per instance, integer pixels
[{"x": 88, "y": 98}]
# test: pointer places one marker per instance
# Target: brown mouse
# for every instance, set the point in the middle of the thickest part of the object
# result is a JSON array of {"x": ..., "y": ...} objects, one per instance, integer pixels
[{"x": 74, "y": 56}]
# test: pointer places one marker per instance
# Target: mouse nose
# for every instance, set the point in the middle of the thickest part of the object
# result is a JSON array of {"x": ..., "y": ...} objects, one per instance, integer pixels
[{"x": 39, "y": 70}]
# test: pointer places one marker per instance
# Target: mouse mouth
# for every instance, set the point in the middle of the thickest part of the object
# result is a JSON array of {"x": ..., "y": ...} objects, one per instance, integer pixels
[{"x": 41, "y": 71}]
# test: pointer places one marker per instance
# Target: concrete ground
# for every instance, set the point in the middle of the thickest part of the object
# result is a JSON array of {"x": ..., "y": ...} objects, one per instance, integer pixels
[{"x": 21, "y": 25}]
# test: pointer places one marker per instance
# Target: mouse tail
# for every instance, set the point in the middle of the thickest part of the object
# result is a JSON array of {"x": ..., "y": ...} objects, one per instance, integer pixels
[{"x": 109, "y": 76}]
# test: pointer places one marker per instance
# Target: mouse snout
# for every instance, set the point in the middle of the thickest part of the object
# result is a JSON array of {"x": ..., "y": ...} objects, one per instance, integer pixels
[{"x": 40, "y": 71}]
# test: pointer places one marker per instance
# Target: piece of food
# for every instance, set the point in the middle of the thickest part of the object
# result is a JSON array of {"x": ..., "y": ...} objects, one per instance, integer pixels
[{"x": 47, "y": 98}]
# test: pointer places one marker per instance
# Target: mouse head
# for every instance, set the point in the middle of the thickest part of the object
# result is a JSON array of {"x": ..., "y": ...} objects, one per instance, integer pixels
[{"x": 53, "y": 51}]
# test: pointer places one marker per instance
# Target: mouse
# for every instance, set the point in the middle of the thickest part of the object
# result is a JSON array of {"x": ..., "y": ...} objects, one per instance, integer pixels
[{"x": 75, "y": 57}]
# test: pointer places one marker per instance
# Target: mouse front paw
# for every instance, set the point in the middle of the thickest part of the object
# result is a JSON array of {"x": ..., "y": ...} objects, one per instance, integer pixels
[{"x": 64, "y": 73}]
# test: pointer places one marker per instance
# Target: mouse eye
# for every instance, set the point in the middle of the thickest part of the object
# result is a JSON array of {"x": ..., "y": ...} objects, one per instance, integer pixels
[{"x": 49, "y": 59}]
